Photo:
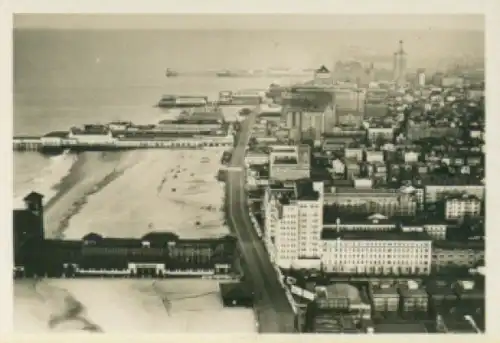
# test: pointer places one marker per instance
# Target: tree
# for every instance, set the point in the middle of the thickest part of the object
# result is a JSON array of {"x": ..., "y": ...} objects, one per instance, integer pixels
[
  {"x": 380, "y": 140},
  {"x": 252, "y": 142}
]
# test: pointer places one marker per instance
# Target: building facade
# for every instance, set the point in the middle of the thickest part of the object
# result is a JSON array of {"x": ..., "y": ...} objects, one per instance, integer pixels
[
  {"x": 294, "y": 221},
  {"x": 436, "y": 192},
  {"x": 458, "y": 207},
  {"x": 364, "y": 201},
  {"x": 292, "y": 163},
  {"x": 376, "y": 253}
]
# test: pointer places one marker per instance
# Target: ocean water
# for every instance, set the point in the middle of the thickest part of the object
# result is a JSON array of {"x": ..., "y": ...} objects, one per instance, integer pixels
[
  {"x": 69, "y": 78},
  {"x": 62, "y": 80}
]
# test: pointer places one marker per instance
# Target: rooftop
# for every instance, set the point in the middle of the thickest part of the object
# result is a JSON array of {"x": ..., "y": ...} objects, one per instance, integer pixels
[
  {"x": 375, "y": 236},
  {"x": 400, "y": 327},
  {"x": 407, "y": 292},
  {"x": 235, "y": 291},
  {"x": 460, "y": 245},
  {"x": 441, "y": 180},
  {"x": 343, "y": 290},
  {"x": 57, "y": 134},
  {"x": 440, "y": 288},
  {"x": 155, "y": 239},
  {"x": 385, "y": 290},
  {"x": 187, "y": 121},
  {"x": 305, "y": 191}
]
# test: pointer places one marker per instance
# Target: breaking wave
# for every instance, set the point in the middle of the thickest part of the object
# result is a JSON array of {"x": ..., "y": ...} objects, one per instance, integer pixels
[{"x": 47, "y": 180}]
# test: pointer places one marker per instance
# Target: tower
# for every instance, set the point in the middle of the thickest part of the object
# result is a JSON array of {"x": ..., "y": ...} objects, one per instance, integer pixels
[
  {"x": 401, "y": 79},
  {"x": 34, "y": 205},
  {"x": 395, "y": 66},
  {"x": 28, "y": 234}
]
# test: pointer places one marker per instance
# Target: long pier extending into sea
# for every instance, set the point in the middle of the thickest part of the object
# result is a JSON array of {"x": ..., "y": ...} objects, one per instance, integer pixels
[{"x": 34, "y": 143}]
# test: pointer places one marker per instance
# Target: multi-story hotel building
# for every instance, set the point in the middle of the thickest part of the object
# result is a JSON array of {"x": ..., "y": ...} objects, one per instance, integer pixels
[
  {"x": 289, "y": 162},
  {"x": 375, "y": 222},
  {"x": 458, "y": 206},
  {"x": 437, "y": 188},
  {"x": 366, "y": 200},
  {"x": 381, "y": 253},
  {"x": 450, "y": 254},
  {"x": 310, "y": 123},
  {"x": 293, "y": 224},
  {"x": 309, "y": 111}
]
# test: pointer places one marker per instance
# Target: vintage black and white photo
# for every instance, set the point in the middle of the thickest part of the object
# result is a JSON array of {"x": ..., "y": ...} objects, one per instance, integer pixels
[{"x": 216, "y": 178}]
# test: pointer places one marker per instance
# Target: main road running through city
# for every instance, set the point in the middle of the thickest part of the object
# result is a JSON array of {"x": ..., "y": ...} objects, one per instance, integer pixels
[{"x": 274, "y": 312}]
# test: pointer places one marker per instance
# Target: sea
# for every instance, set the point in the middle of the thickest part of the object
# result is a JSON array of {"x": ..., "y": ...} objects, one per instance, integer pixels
[
  {"x": 70, "y": 78},
  {"x": 66, "y": 78}
]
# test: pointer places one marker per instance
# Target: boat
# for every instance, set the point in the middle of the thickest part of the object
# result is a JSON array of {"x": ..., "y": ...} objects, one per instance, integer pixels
[
  {"x": 171, "y": 73},
  {"x": 234, "y": 73},
  {"x": 225, "y": 73},
  {"x": 173, "y": 101}
]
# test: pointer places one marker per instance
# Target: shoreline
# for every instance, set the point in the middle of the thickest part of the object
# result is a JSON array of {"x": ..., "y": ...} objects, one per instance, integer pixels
[
  {"x": 83, "y": 203},
  {"x": 70, "y": 190},
  {"x": 67, "y": 182}
]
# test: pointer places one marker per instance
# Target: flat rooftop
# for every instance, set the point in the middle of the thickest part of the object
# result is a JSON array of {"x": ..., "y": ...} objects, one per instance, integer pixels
[
  {"x": 305, "y": 191},
  {"x": 375, "y": 236},
  {"x": 400, "y": 327}
]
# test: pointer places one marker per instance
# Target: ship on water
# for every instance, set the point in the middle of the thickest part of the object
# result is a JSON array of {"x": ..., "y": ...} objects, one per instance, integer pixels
[
  {"x": 234, "y": 73},
  {"x": 173, "y": 101},
  {"x": 226, "y": 73},
  {"x": 171, "y": 73}
]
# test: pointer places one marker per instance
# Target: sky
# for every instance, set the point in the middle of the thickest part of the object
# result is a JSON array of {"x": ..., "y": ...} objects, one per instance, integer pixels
[{"x": 251, "y": 21}]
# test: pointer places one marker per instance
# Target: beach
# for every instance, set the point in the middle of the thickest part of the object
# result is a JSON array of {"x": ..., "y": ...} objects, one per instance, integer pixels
[
  {"x": 125, "y": 306},
  {"x": 128, "y": 194}
]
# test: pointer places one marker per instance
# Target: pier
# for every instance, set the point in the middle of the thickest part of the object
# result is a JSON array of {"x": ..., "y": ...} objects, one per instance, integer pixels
[
  {"x": 27, "y": 143},
  {"x": 32, "y": 143}
]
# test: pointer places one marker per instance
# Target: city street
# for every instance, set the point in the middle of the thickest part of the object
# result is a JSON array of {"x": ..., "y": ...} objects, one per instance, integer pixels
[{"x": 274, "y": 312}]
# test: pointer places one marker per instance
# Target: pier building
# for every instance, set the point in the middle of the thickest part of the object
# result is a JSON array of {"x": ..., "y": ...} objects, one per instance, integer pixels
[{"x": 156, "y": 254}]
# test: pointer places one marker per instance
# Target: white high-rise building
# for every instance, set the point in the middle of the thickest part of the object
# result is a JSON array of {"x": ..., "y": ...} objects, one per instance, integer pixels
[
  {"x": 421, "y": 79},
  {"x": 293, "y": 224}
]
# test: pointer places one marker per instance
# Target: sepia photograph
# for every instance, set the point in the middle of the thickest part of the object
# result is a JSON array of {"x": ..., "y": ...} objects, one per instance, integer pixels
[{"x": 248, "y": 173}]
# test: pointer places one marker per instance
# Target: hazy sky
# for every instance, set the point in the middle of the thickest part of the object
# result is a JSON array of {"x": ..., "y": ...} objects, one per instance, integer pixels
[{"x": 247, "y": 21}]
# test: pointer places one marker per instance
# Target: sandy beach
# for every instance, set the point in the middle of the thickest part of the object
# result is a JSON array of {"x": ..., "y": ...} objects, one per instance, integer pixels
[
  {"x": 125, "y": 306},
  {"x": 128, "y": 194}
]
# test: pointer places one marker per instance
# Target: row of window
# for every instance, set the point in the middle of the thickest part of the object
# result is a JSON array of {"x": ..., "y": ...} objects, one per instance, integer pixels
[{"x": 383, "y": 244}]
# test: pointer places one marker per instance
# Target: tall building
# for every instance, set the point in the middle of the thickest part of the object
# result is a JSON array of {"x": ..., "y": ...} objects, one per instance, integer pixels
[
  {"x": 310, "y": 123},
  {"x": 395, "y": 66},
  {"x": 400, "y": 65},
  {"x": 294, "y": 221},
  {"x": 309, "y": 111},
  {"x": 421, "y": 77}
]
